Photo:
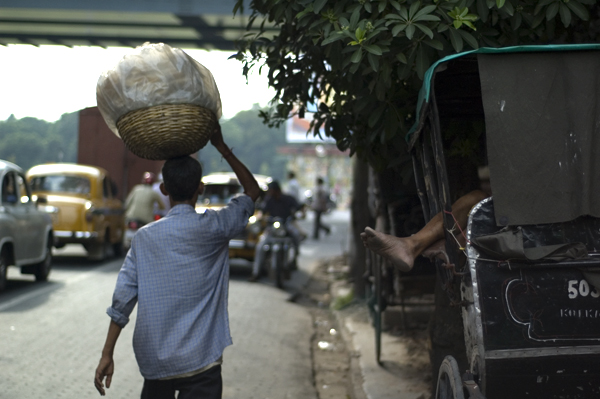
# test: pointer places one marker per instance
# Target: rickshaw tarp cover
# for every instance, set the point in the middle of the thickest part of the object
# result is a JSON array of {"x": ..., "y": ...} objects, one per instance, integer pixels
[{"x": 542, "y": 116}]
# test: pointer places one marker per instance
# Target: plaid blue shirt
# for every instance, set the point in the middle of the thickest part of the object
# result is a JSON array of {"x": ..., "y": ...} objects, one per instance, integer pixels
[{"x": 177, "y": 271}]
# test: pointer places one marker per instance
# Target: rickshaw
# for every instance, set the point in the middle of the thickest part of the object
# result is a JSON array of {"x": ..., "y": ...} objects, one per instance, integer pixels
[{"x": 517, "y": 302}]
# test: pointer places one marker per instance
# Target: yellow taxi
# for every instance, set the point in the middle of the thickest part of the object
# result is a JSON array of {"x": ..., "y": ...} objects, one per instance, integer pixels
[
  {"x": 82, "y": 202},
  {"x": 219, "y": 188}
]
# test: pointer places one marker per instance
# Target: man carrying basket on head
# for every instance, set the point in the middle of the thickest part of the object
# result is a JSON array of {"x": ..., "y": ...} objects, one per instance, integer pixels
[
  {"x": 177, "y": 273},
  {"x": 177, "y": 270}
]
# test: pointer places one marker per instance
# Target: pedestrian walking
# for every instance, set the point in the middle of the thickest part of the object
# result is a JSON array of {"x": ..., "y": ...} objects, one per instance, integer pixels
[
  {"x": 177, "y": 272},
  {"x": 319, "y": 206}
]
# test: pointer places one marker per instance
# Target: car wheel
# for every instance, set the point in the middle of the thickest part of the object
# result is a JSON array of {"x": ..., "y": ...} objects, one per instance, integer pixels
[
  {"x": 3, "y": 267},
  {"x": 42, "y": 269}
]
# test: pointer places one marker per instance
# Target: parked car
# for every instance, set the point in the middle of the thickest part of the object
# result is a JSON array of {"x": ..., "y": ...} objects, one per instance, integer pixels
[
  {"x": 26, "y": 235},
  {"x": 219, "y": 188},
  {"x": 82, "y": 202}
]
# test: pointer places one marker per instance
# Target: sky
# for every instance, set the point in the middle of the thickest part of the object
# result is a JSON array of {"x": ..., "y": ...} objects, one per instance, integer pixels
[{"x": 48, "y": 81}]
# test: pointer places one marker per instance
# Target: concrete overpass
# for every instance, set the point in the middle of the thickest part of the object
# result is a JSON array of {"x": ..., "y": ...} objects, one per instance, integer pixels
[{"x": 206, "y": 24}]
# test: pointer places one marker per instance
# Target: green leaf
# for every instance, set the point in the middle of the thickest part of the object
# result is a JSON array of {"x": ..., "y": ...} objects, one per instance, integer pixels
[
  {"x": 456, "y": 40},
  {"x": 354, "y": 18},
  {"x": 515, "y": 21},
  {"x": 398, "y": 28},
  {"x": 402, "y": 58},
  {"x": 509, "y": 9},
  {"x": 422, "y": 62},
  {"x": 457, "y": 23},
  {"x": 541, "y": 4},
  {"x": 360, "y": 34},
  {"x": 499, "y": 3},
  {"x": 373, "y": 49},
  {"x": 424, "y": 11},
  {"x": 403, "y": 13},
  {"x": 395, "y": 4},
  {"x": 537, "y": 20},
  {"x": 333, "y": 37},
  {"x": 436, "y": 44},
  {"x": 425, "y": 30},
  {"x": 392, "y": 16},
  {"x": 357, "y": 56},
  {"x": 375, "y": 115},
  {"x": 442, "y": 28},
  {"x": 373, "y": 61},
  {"x": 551, "y": 11},
  {"x": 427, "y": 17},
  {"x": 410, "y": 31},
  {"x": 565, "y": 14},
  {"x": 579, "y": 10},
  {"x": 413, "y": 9},
  {"x": 470, "y": 25},
  {"x": 469, "y": 38},
  {"x": 318, "y": 5},
  {"x": 483, "y": 10}
]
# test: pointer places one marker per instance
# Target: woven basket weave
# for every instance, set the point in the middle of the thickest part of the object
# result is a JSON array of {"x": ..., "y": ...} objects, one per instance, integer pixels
[{"x": 161, "y": 132}]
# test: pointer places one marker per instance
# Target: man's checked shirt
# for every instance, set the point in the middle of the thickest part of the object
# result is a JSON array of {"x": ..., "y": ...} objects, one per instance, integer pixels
[{"x": 177, "y": 271}]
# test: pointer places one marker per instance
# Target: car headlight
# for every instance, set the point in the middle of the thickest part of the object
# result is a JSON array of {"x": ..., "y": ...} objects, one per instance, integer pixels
[{"x": 89, "y": 211}]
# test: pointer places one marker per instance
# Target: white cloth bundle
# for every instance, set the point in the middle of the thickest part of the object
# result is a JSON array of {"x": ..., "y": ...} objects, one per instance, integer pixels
[{"x": 155, "y": 74}]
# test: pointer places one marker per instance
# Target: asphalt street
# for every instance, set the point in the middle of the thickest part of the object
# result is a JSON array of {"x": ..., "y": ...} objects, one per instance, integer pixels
[{"x": 52, "y": 333}]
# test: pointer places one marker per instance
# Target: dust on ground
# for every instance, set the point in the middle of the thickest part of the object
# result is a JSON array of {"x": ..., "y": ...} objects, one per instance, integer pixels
[{"x": 332, "y": 358}]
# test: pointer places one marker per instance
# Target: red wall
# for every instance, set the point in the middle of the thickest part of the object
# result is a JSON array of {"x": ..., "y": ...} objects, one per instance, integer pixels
[{"x": 99, "y": 146}]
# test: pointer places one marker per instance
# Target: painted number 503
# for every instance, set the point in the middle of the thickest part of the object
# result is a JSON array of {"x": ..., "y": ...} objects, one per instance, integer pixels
[{"x": 581, "y": 288}]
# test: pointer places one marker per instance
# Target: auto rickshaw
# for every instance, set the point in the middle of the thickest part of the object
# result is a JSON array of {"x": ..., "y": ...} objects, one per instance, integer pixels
[{"x": 517, "y": 302}]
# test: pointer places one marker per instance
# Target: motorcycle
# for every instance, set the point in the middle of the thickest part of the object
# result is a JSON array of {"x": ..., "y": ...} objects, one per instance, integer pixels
[
  {"x": 131, "y": 227},
  {"x": 278, "y": 245}
]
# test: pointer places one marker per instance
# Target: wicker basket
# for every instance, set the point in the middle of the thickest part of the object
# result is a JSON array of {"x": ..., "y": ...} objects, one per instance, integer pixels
[{"x": 161, "y": 132}]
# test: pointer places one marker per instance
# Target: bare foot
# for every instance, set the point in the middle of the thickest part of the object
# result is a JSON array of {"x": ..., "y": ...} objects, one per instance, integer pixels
[{"x": 398, "y": 250}]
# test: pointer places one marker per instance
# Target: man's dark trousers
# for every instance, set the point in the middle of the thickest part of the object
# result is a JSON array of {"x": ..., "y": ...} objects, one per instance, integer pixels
[{"x": 206, "y": 385}]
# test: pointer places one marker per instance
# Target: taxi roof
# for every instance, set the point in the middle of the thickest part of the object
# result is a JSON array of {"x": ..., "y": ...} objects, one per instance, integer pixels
[{"x": 53, "y": 168}]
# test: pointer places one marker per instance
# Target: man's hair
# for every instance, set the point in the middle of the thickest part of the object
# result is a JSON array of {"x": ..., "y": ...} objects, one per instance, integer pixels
[
  {"x": 274, "y": 185},
  {"x": 181, "y": 177},
  {"x": 320, "y": 180},
  {"x": 291, "y": 175}
]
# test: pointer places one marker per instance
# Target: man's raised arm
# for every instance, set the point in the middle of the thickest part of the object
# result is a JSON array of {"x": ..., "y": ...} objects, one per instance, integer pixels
[{"x": 245, "y": 177}]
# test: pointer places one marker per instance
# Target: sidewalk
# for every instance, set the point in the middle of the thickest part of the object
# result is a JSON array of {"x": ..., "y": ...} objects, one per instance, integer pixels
[{"x": 404, "y": 372}]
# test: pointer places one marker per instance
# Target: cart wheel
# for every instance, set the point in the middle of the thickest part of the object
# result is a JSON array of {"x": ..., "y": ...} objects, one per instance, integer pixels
[{"x": 449, "y": 383}]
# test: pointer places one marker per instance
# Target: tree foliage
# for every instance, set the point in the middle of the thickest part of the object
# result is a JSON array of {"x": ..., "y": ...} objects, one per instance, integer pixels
[
  {"x": 252, "y": 142},
  {"x": 360, "y": 63},
  {"x": 30, "y": 141}
]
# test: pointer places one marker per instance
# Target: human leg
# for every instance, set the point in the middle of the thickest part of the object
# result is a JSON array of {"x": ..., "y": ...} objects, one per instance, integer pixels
[
  {"x": 206, "y": 385},
  {"x": 316, "y": 224},
  {"x": 402, "y": 251},
  {"x": 158, "y": 389},
  {"x": 259, "y": 258}
]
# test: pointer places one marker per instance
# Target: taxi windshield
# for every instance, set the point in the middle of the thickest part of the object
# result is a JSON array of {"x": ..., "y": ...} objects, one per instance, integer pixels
[
  {"x": 61, "y": 184},
  {"x": 219, "y": 193}
]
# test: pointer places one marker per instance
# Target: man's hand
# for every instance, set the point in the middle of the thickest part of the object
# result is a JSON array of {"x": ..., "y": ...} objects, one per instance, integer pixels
[
  {"x": 105, "y": 368},
  {"x": 216, "y": 139}
]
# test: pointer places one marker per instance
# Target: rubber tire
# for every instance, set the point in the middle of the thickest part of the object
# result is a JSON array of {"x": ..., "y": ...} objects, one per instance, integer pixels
[
  {"x": 449, "y": 381},
  {"x": 42, "y": 269},
  {"x": 3, "y": 269}
]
